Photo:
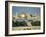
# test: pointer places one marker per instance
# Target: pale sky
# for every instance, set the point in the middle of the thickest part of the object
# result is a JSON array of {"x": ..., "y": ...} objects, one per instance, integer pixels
[{"x": 30, "y": 10}]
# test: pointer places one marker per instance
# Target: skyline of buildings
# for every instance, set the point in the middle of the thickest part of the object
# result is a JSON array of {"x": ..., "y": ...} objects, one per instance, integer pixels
[{"x": 27, "y": 16}]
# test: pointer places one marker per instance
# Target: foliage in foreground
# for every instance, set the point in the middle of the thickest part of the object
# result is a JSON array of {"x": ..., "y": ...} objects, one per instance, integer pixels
[{"x": 23, "y": 23}]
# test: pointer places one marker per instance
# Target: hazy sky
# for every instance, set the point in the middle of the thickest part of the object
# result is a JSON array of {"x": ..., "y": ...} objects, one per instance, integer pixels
[{"x": 30, "y": 10}]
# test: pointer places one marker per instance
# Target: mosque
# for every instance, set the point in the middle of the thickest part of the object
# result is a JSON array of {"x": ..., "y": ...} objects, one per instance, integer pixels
[{"x": 23, "y": 16}]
